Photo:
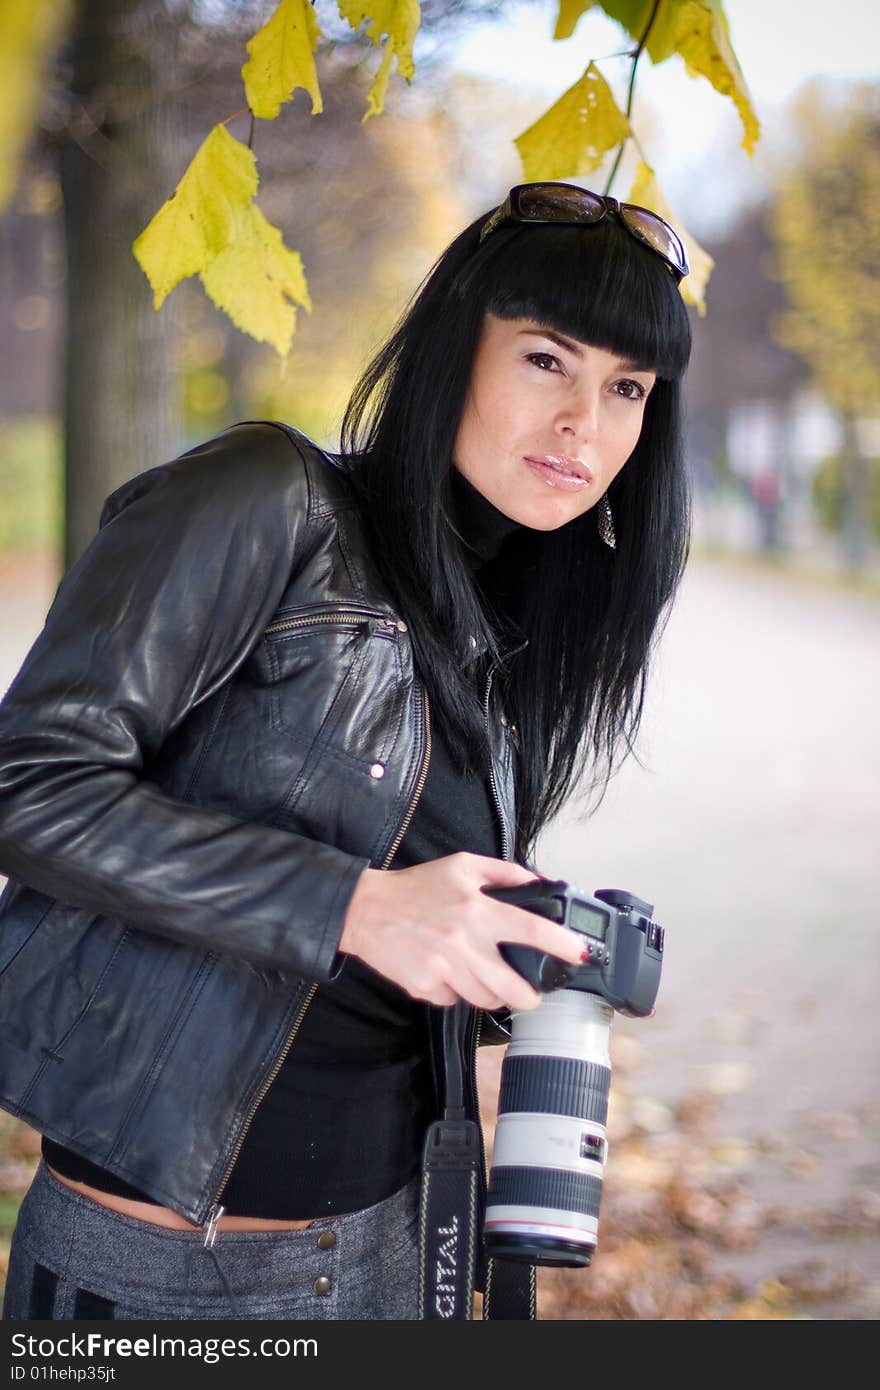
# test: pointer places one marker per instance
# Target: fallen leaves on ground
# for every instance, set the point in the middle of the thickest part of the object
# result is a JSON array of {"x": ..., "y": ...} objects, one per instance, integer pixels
[{"x": 678, "y": 1196}]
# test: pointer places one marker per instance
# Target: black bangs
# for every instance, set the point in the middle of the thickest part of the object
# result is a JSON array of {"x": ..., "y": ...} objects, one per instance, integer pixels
[{"x": 595, "y": 283}]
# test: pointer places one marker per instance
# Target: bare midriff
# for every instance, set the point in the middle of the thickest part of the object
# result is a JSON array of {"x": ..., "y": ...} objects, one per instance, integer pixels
[{"x": 164, "y": 1216}]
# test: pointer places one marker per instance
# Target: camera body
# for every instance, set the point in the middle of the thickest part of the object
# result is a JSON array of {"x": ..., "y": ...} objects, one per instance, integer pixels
[
  {"x": 550, "y": 1144},
  {"x": 625, "y": 945}
]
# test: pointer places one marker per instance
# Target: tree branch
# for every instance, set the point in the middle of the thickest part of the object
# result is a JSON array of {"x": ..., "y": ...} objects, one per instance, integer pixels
[{"x": 632, "y": 86}]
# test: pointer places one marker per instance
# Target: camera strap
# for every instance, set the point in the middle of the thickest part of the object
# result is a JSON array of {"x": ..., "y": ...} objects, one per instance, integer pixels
[
  {"x": 511, "y": 1291},
  {"x": 448, "y": 1220},
  {"x": 450, "y": 1228},
  {"x": 452, "y": 1207}
]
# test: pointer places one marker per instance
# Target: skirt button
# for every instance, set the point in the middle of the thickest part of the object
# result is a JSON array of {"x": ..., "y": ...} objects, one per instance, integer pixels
[
  {"x": 326, "y": 1240},
  {"x": 377, "y": 770},
  {"x": 322, "y": 1285}
]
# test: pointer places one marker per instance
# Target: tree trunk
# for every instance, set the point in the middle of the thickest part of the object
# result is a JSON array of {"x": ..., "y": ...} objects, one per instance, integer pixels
[
  {"x": 855, "y": 499},
  {"x": 119, "y": 416}
]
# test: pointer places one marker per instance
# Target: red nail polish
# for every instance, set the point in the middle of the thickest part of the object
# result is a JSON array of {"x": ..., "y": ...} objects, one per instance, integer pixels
[{"x": 586, "y": 953}]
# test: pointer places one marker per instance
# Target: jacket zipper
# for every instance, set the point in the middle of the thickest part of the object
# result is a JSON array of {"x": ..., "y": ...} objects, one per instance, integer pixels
[
  {"x": 505, "y": 844},
  {"x": 338, "y": 616},
  {"x": 423, "y": 777},
  {"x": 216, "y": 1210},
  {"x": 472, "y": 1080},
  {"x": 505, "y": 847}
]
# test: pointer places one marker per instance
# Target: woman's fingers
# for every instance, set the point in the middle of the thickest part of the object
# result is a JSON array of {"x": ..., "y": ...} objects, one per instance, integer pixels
[
  {"x": 441, "y": 995},
  {"x": 511, "y": 923},
  {"x": 529, "y": 929},
  {"x": 495, "y": 873},
  {"x": 431, "y": 931},
  {"x": 471, "y": 986},
  {"x": 513, "y": 991}
]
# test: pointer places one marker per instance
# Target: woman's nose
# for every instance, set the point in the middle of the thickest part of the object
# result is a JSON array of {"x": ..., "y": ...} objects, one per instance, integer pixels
[{"x": 580, "y": 419}]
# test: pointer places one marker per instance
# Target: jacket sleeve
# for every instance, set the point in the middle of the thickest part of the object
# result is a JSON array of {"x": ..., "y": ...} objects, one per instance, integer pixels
[{"x": 188, "y": 566}]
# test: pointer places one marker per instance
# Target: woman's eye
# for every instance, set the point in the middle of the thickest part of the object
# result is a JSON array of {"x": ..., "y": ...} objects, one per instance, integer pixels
[
  {"x": 545, "y": 360},
  {"x": 631, "y": 390}
]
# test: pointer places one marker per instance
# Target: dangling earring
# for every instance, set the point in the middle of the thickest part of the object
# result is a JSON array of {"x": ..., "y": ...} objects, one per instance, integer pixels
[{"x": 605, "y": 521}]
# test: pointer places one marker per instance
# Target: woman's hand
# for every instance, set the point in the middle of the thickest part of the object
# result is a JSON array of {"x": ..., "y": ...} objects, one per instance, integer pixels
[{"x": 430, "y": 930}]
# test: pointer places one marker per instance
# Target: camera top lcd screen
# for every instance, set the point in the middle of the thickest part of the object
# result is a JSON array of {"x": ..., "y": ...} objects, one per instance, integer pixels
[{"x": 588, "y": 919}]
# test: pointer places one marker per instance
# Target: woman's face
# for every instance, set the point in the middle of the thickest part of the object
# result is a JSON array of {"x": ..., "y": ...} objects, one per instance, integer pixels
[{"x": 548, "y": 423}]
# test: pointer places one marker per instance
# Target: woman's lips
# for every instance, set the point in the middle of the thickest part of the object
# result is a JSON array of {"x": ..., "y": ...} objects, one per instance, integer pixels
[{"x": 557, "y": 470}]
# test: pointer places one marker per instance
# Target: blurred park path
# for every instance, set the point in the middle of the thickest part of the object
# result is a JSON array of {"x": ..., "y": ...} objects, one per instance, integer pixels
[{"x": 753, "y": 829}]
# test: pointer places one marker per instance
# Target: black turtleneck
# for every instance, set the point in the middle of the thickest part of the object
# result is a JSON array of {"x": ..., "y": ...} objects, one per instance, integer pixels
[
  {"x": 481, "y": 525},
  {"x": 342, "y": 1126}
]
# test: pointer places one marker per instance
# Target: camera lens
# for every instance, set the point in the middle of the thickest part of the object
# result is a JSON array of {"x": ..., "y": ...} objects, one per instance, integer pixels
[{"x": 545, "y": 1183}]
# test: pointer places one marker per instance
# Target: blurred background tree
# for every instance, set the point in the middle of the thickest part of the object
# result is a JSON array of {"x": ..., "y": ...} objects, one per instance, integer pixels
[
  {"x": 125, "y": 100},
  {"x": 739, "y": 376},
  {"x": 115, "y": 145},
  {"x": 826, "y": 221}
]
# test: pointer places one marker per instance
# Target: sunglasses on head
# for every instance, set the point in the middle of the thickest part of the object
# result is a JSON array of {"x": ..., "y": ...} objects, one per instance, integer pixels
[{"x": 565, "y": 202}]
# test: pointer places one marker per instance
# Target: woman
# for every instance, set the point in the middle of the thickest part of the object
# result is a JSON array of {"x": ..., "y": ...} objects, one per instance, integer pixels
[{"x": 287, "y": 717}]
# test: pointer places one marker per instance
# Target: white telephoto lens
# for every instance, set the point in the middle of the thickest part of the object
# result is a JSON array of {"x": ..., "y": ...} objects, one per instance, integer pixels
[{"x": 550, "y": 1142}]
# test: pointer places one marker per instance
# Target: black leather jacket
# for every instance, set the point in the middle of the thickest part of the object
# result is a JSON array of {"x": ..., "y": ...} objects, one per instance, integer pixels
[{"x": 219, "y": 728}]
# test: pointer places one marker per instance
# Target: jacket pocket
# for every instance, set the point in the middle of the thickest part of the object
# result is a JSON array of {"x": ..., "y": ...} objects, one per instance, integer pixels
[
  {"x": 323, "y": 695},
  {"x": 315, "y": 660},
  {"x": 339, "y": 672}
]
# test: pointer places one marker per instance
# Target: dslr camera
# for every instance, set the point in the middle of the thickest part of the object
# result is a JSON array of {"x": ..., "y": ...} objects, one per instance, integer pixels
[{"x": 550, "y": 1147}]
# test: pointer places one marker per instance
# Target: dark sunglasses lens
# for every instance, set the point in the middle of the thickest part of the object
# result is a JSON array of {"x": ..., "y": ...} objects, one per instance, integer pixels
[
  {"x": 557, "y": 203},
  {"x": 657, "y": 234}
]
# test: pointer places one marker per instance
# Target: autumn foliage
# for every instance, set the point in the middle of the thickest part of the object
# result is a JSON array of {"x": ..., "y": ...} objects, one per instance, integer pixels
[
  {"x": 211, "y": 227},
  {"x": 827, "y": 224}
]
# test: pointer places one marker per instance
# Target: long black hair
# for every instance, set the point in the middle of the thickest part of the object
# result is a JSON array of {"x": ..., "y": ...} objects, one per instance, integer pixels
[{"x": 568, "y": 623}]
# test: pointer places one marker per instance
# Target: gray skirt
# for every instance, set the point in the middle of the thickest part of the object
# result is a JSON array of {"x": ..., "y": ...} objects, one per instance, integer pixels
[{"x": 72, "y": 1258}]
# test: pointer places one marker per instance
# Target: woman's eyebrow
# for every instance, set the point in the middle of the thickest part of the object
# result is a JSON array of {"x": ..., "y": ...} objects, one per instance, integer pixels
[
  {"x": 637, "y": 367},
  {"x": 577, "y": 351},
  {"x": 568, "y": 343}
]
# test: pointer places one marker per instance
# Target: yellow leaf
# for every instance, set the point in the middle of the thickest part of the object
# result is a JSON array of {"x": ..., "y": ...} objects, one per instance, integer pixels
[
  {"x": 646, "y": 193},
  {"x": 399, "y": 21},
  {"x": 575, "y": 134},
  {"x": 198, "y": 220},
  {"x": 256, "y": 280},
  {"x": 699, "y": 31},
  {"x": 570, "y": 12},
  {"x": 29, "y": 34},
  {"x": 635, "y": 15},
  {"x": 281, "y": 60},
  {"x": 703, "y": 40}
]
